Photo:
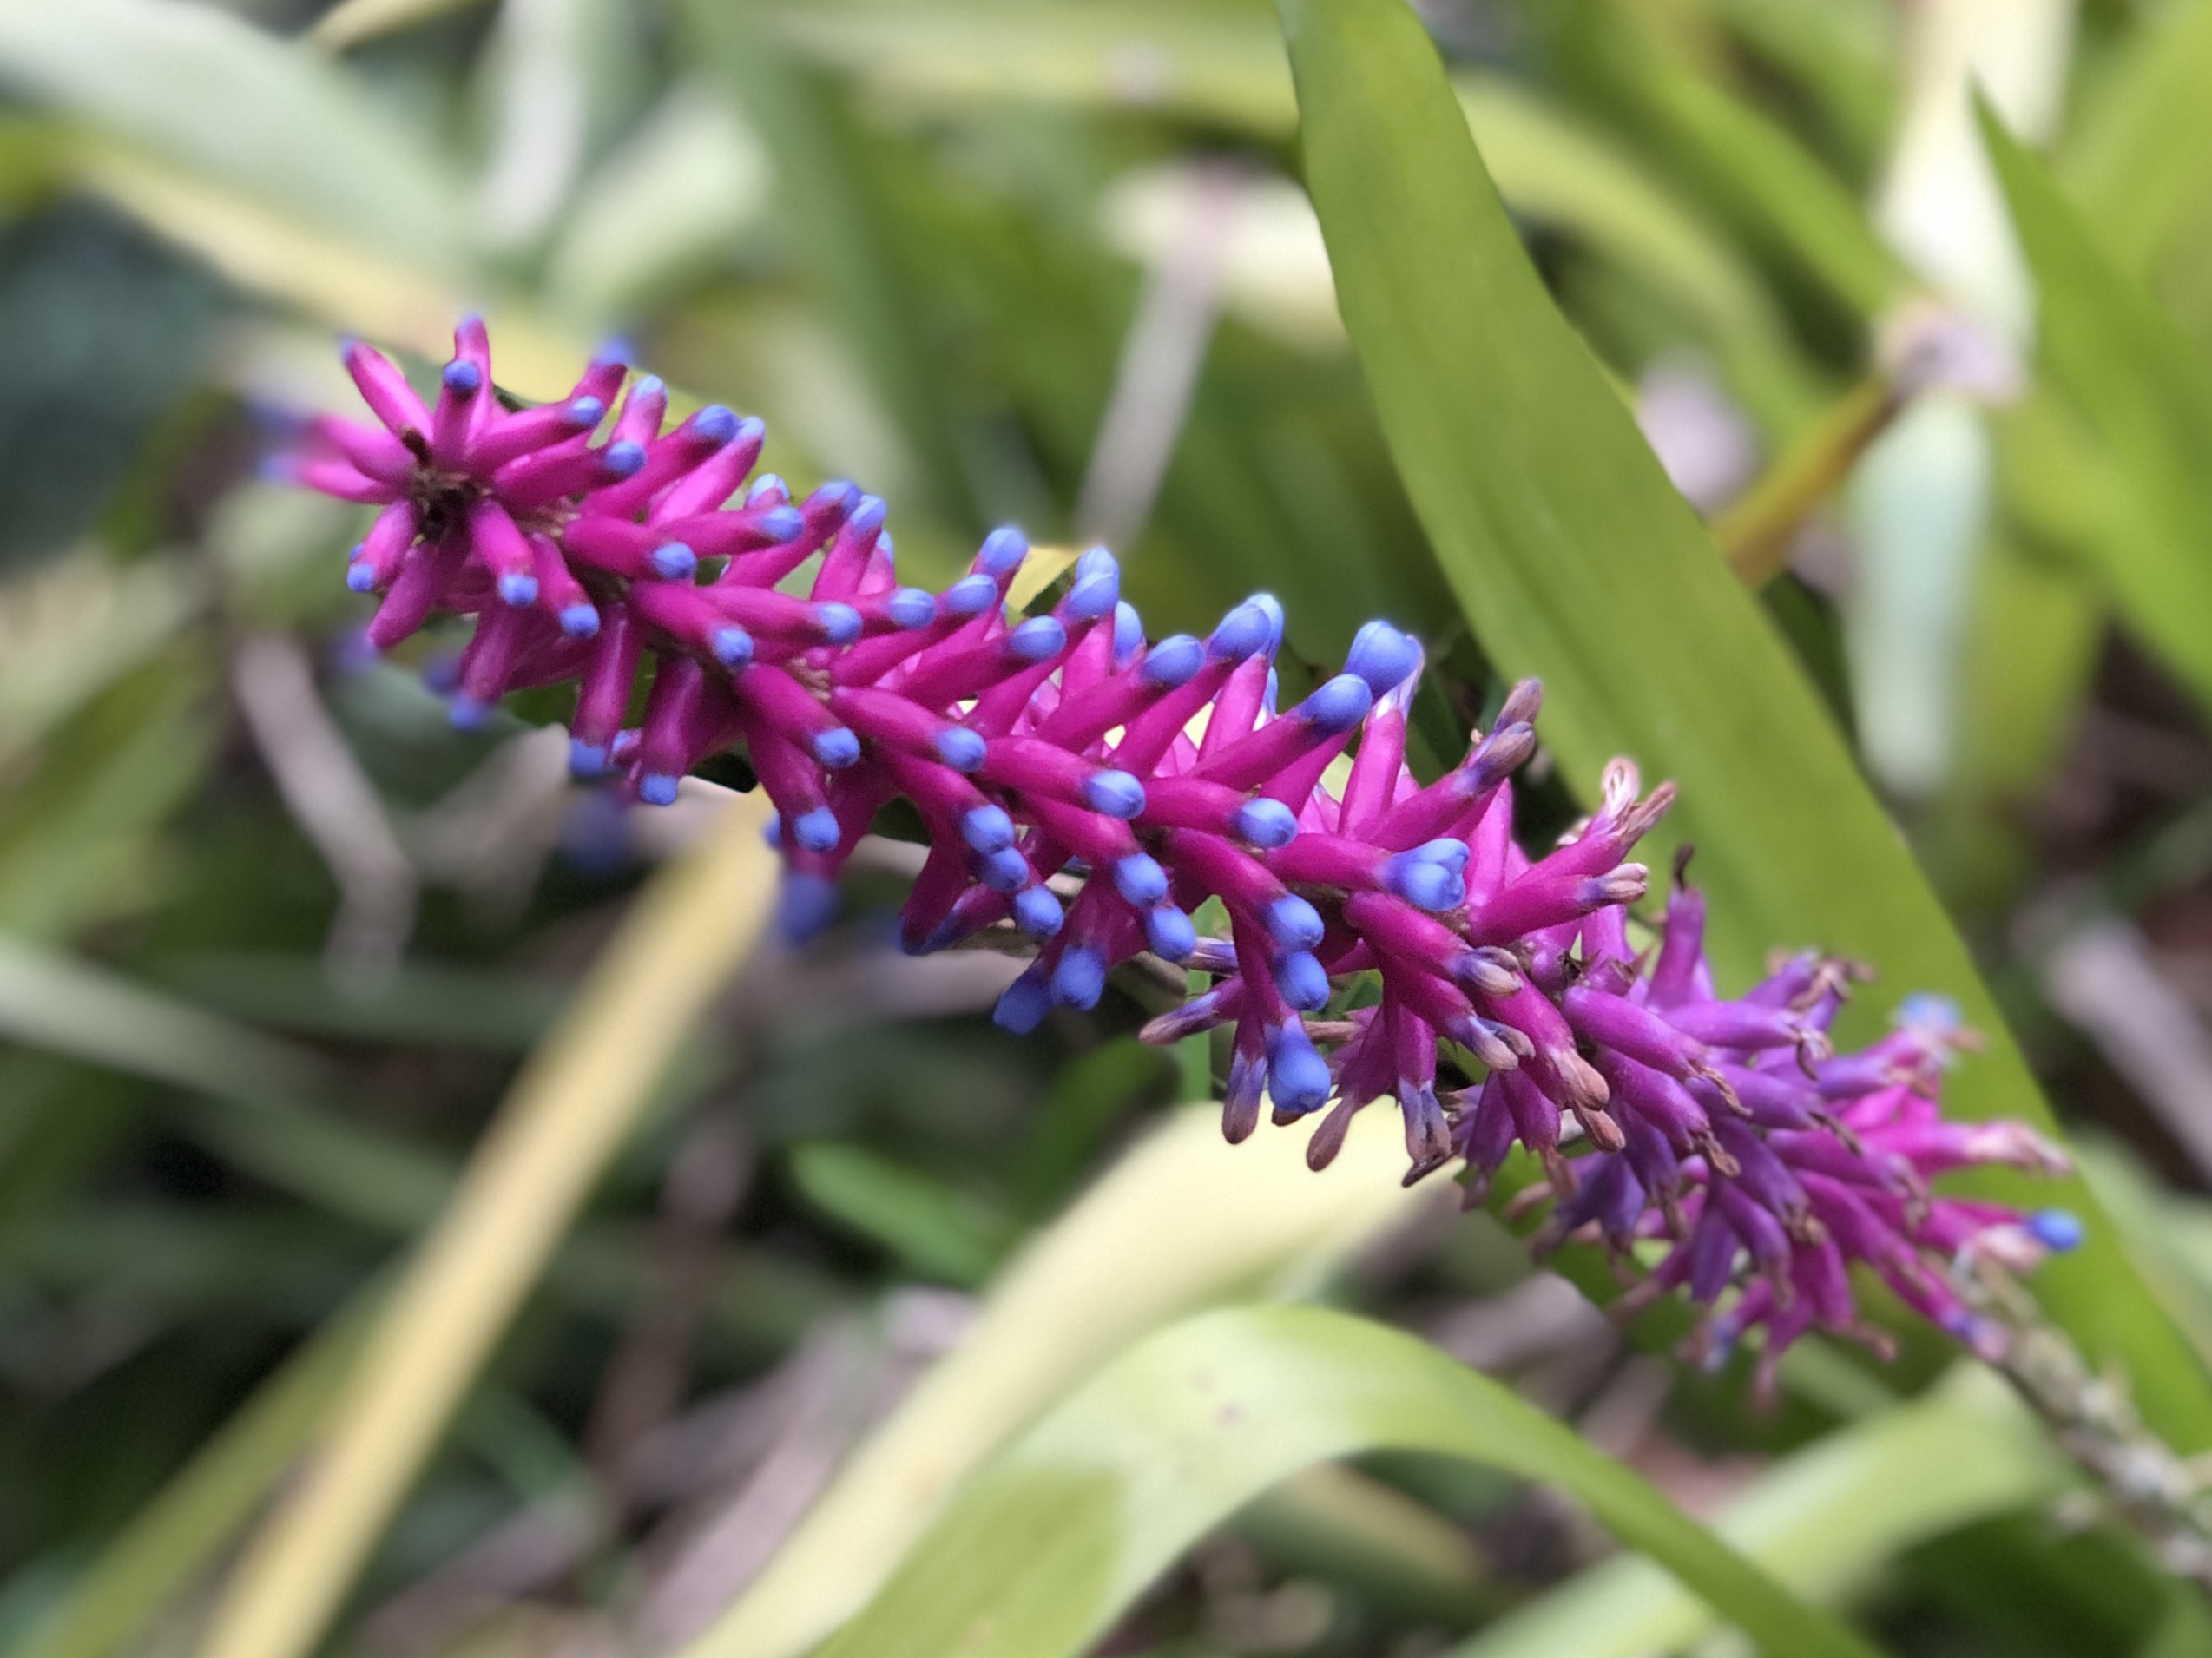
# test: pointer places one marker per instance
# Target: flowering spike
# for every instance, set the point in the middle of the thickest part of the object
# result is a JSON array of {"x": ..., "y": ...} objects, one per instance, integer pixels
[{"x": 1503, "y": 1000}]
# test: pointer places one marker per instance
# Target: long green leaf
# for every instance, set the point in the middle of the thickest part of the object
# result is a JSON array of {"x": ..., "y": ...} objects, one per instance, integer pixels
[
  {"x": 1050, "y": 1542},
  {"x": 1182, "y": 1223},
  {"x": 1820, "y": 1520},
  {"x": 1575, "y": 559},
  {"x": 204, "y": 87},
  {"x": 2148, "y": 393}
]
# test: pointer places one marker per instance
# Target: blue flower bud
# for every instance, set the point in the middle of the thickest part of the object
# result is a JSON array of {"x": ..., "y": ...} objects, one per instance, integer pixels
[
  {"x": 674, "y": 561},
  {"x": 1079, "y": 977},
  {"x": 1024, "y": 1003},
  {"x": 517, "y": 590},
  {"x": 818, "y": 831},
  {"x": 910, "y": 607},
  {"x": 2059, "y": 1230},
  {"x": 960, "y": 748},
  {"x": 1115, "y": 793},
  {"x": 1293, "y": 922},
  {"x": 1037, "y": 639},
  {"x": 1037, "y": 913},
  {"x": 1169, "y": 931},
  {"x": 1175, "y": 661},
  {"x": 987, "y": 829},
  {"x": 1129, "y": 634},
  {"x": 1444, "y": 849},
  {"x": 767, "y": 490},
  {"x": 1338, "y": 705},
  {"x": 969, "y": 596},
  {"x": 1248, "y": 631},
  {"x": 1004, "y": 870},
  {"x": 1098, "y": 586},
  {"x": 840, "y": 623},
  {"x": 584, "y": 411},
  {"x": 1267, "y": 824},
  {"x": 836, "y": 749},
  {"x": 715, "y": 423},
  {"x": 1423, "y": 884},
  {"x": 1304, "y": 983},
  {"x": 465, "y": 712},
  {"x": 1297, "y": 1077},
  {"x": 623, "y": 459},
  {"x": 1002, "y": 552},
  {"x": 657, "y": 788},
  {"x": 1382, "y": 656},
  {"x": 868, "y": 515},
  {"x": 806, "y": 903},
  {"x": 586, "y": 760},
  {"x": 1139, "y": 878},
  {"x": 580, "y": 620},
  {"x": 360, "y": 578},
  {"x": 462, "y": 378},
  {"x": 733, "y": 646}
]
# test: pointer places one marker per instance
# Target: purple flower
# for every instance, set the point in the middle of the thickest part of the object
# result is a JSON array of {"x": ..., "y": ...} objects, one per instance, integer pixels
[{"x": 1088, "y": 790}]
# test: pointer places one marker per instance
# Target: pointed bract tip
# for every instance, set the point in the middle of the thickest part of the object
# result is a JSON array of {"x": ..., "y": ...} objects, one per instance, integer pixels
[
  {"x": 1001, "y": 553},
  {"x": 673, "y": 561},
  {"x": 1039, "y": 638},
  {"x": 1118, "y": 794},
  {"x": 580, "y": 620},
  {"x": 818, "y": 831},
  {"x": 657, "y": 788},
  {"x": 1037, "y": 913},
  {"x": 840, "y": 623},
  {"x": 960, "y": 748},
  {"x": 517, "y": 590}
]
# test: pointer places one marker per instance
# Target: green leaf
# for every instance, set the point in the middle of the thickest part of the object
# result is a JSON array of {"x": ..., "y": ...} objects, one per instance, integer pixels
[
  {"x": 939, "y": 1232},
  {"x": 2142, "y": 386},
  {"x": 1820, "y": 1520},
  {"x": 1575, "y": 560},
  {"x": 1042, "y": 1549},
  {"x": 206, "y": 89},
  {"x": 1182, "y": 1221}
]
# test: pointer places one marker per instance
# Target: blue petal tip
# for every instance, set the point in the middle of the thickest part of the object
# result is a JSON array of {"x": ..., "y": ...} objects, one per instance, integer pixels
[{"x": 818, "y": 831}]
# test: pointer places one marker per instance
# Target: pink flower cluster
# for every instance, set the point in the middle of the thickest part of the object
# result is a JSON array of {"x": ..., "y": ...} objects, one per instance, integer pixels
[{"x": 1089, "y": 790}]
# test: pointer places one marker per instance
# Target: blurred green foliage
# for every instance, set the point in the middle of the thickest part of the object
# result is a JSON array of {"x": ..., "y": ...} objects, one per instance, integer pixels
[{"x": 243, "y": 1074}]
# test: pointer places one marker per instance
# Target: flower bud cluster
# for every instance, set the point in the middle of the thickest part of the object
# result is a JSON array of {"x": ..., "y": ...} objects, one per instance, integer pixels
[{"x": 1089, "y": 789}]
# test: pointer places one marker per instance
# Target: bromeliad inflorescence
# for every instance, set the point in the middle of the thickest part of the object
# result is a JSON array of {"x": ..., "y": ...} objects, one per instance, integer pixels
[{"x": 1374, "y": 923}]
